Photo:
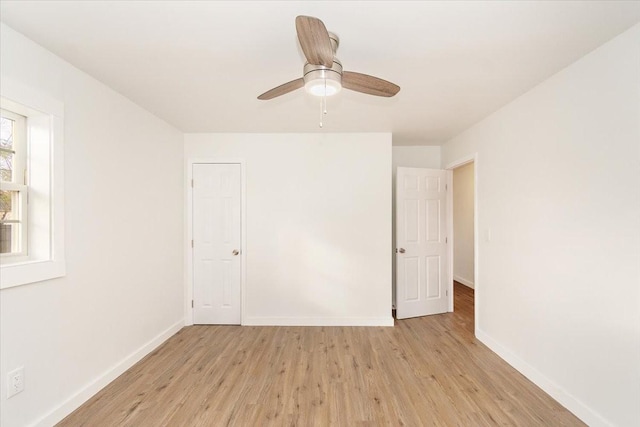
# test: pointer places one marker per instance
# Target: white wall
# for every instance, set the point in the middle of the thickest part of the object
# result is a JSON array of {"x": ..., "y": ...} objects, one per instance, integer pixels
[
  {"x": 416, "y": 156},
  {"x": 463, "y": 224},
  {"x": 409, "y": 157},
  {"x": 123, "y": 292},
  {"x": 318, "y": 225},
  {"x": 558, "y": 175}
]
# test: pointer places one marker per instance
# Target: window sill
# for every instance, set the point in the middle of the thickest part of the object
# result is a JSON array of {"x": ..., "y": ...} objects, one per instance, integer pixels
[{"x": 24, "y": 273}]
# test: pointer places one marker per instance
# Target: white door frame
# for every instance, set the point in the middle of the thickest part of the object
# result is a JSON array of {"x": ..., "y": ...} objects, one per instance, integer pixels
[
  {"x": 476, "y": 283},
  {"x": 188, "y": 232}
]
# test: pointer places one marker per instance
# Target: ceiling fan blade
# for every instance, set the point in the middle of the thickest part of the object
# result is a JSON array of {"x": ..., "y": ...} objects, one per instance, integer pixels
[
  {"x": 282, "y": 89},
  {"x": 368, "y": 84},
  {"x": 314, "y": 40}
]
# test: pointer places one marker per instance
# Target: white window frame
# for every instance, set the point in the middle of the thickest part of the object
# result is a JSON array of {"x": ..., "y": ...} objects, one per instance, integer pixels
[
  {"x": 18, "y": 184},
  {"x": 44, "y": 123}
]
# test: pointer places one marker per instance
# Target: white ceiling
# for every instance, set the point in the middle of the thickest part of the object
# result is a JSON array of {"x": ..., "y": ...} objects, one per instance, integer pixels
[{"x": 201, "y": 65}]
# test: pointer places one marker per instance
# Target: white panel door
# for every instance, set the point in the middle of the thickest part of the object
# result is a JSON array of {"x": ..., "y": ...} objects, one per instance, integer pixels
[
  {"x": 216, "y": 243},
  {"x": 421, "y": 242}
]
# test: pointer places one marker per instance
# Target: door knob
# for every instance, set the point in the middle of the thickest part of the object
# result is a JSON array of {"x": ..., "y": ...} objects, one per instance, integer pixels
[
  {"x": 235, "y": 252},
  {"x": 401, "y": 250}
]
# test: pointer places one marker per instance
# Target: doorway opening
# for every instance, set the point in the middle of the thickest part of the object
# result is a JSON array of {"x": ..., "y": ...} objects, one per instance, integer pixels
[{"x": 463, "y": 229}]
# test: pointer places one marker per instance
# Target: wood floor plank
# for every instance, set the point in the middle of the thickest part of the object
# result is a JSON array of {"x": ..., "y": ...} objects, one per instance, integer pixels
[{"x": 428, "y": 371}]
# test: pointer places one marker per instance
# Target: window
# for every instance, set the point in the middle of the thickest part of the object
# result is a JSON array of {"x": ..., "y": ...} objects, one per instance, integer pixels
[
  {"x": 13, "y": 188},
  {"x": 31, "y": 186}
]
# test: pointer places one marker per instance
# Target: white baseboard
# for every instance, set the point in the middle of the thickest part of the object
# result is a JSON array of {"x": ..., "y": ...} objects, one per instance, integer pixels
[
  {"x": 318, "y": 321},
  {"x": 579, "y": 409},
  {"x": 468, "y": 283},
  {"x": 74, "y": 402}
]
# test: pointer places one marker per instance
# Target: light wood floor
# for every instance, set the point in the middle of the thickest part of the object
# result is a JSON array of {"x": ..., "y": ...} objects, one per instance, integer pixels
[{"x": 423, "y": 372}]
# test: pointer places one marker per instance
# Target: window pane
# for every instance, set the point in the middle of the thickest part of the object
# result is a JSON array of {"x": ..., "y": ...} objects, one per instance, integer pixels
[
  {"x": 9, "y": 204},
  {"x": 9, "y": 238},
  {"x": 6, "y": 166},
  {"x": 6, "y": 133},
  {"x": 6, "y": 148},
  {"x": 9, "y": 211}
]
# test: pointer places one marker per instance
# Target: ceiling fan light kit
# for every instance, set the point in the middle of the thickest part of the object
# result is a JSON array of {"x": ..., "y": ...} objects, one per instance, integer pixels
[
  {"x": 323, "y": 74},
  {"x": 322, "y": 81}
]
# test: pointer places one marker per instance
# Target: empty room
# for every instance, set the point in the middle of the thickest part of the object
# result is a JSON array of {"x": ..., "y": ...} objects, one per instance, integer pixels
[{"x": 319, "y": 213}]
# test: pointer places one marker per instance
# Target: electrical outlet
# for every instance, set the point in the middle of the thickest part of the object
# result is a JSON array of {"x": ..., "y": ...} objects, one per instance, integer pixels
[{"x": 15, "y": 382}]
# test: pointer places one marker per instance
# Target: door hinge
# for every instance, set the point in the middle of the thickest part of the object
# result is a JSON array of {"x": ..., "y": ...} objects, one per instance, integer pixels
[
  {"x": 446, "y": 240},
  {"x": 192, "y": 243},
  {"x": 446, "y": 187},
  {"x": 191, "y": 183},
  {"x": 191, "y": 303},
  {"x": 446, "y": 293}
]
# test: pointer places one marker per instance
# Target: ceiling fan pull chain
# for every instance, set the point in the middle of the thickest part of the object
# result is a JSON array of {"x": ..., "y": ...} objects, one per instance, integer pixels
[
  {"x": 321, "y": 113},
  {"x": 324, "y": 97}
]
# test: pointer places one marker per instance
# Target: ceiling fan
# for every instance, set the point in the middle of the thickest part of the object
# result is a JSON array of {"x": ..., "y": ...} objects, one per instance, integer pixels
[{"x": 323, "y": 74}]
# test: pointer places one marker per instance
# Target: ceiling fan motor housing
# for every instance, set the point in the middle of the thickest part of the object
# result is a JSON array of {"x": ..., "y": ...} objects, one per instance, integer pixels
[
  {"x": 321, "y": 80},
  {"x": 314, "y": 72},
  {"x": 335, "y": 42}
]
